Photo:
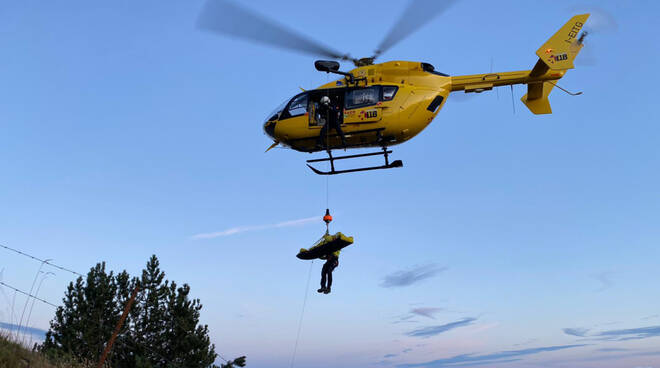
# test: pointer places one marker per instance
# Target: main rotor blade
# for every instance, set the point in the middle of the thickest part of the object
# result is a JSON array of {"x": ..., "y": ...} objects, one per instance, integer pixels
[
  {"x": 226, "y": 17},
  {"x": 418, "y": 13}
]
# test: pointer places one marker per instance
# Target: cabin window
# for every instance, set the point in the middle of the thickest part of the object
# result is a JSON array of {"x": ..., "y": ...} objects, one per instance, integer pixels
[
  {"x": 433, "y": 106},
  {"x": 298, "y": 105},
  {"x": 362, "y": 97},
  {"x": 389, "y": 92}
]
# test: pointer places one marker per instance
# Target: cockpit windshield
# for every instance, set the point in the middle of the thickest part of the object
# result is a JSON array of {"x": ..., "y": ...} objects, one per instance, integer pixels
[{"x": 276, "y": 113}]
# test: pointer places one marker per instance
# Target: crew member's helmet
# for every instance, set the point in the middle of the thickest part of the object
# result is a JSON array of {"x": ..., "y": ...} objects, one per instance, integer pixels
[{"x": 325, "y": 100}]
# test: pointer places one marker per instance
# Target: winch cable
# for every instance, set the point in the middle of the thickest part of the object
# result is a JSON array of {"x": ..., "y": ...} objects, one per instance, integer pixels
[
  {"x": 309, "y": 273},
  {"x": 327, "y": 145},
  {"x": 302, "y": 314}
]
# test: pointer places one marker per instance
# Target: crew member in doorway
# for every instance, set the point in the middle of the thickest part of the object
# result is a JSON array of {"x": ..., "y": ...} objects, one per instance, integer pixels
[{"x": 331, "y": 115}]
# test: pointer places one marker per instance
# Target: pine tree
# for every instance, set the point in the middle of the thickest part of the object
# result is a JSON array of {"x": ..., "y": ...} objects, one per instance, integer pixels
[
  {"x": 162, "y": 328},
  {"x": 124, "y": 352},
  {"x": 150, "y": 319},
  {"x": 188, "y": 341},
  {"x": 84, "y": 324},
  {"x": 238, "y": 362}
]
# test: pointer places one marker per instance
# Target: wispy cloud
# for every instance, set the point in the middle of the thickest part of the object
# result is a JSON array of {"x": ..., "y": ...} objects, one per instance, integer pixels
[
  {"x": 429, "y": 331},
  {"x": 499, "y": 357},
  {"x": 389, "y": 356},
  {"x": 411, "y": 276},
  {"x": 577, "y": 331},
  {"x": 605, "y": 279},
  {"x": 526, "y": 342},
  {"x": 615, "y": 335},
  {"x": 611, "y": 350},
  {"x": 650, "y": 317},
  {"x": 484, "y": 327},
  {"x": 609, "y": 357},
  {"x": 405, "y": 318},
  {"x": 248, "y": 228},
  {"x": 608, "y": 323},
  {"x": 428, "y": 312},
  {"x": 631, "y": 333}
]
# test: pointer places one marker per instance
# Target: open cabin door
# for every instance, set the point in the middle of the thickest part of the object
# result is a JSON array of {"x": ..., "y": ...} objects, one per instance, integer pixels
[{"x": 316, "y": 121}]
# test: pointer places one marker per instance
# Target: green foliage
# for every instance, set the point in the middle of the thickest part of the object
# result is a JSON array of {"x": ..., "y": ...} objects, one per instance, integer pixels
[
  {"x": 15, "y": 355},
  {"x": 84, "y": 324},
  {"x": 238, "y": 362},
  {"x": 162, "y": 328},
  {"x": 11, "y": 354}
]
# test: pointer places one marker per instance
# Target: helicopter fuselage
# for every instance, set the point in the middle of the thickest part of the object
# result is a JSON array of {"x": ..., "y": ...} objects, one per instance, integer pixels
[
  {"x": 388, "y": 104},
  {"x": 385, "y": 104}
]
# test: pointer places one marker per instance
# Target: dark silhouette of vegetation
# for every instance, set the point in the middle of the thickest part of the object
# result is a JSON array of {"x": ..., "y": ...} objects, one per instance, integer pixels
[
  {"x": 15, "y": 355},
  {"x": 238, "y": 362},
  {"x": 162, "y": 328}
]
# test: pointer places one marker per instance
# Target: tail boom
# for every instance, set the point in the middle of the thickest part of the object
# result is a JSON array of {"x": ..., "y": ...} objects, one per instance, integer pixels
[
  {"x": 555, "y": 57},
  {"x": 484, "y": 82}
]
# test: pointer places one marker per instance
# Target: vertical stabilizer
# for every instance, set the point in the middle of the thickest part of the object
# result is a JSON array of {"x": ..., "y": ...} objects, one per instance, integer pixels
[
  {"x": 536, "y": 98},
  {"x": 562, "y": 48}
]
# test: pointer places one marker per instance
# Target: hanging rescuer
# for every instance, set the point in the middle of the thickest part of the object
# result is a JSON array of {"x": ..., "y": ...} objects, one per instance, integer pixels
[{"x": 328, "y": 249}]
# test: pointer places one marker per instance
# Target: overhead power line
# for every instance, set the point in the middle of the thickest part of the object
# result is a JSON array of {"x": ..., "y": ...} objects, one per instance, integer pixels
[
  {"x": 28, "y": 294},
  {"x": 40, "y": 260}
]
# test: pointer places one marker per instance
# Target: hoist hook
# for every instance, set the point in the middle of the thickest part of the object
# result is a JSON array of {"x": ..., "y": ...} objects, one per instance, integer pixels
[{"x": 327, "y": 219}]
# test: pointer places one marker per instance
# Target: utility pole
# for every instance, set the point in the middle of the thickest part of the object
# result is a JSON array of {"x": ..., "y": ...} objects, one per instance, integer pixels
[{"x": 118, "y": 327}]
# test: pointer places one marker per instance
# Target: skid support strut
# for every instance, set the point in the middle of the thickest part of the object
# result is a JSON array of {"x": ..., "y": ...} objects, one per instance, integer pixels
[{"x": 385, "y": 153}]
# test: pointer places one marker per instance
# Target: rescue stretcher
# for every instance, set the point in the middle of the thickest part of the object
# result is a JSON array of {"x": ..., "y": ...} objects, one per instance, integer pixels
[{"x": 326, "y": 245}]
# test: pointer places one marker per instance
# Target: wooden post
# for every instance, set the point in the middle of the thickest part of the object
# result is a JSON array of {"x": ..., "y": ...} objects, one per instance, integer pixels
[{"x": 118, "y": 327}]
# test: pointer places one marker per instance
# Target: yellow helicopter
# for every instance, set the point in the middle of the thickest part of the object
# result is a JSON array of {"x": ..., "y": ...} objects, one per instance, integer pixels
[{"x": 385, "y": 104}]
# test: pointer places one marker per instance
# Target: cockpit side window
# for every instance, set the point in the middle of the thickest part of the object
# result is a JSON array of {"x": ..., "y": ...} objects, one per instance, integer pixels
[
  {"x": 389, "y": 92},
  {"x": 361, "y": 97},
  {"x": 298, "y": 105}
]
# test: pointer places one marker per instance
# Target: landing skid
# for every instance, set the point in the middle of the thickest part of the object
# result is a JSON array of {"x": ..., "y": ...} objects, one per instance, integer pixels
[{"x": 385, "y": 153}]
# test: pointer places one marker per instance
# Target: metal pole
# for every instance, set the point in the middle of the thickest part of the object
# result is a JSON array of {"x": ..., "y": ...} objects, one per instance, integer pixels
[{"x": 118, "y": 327}]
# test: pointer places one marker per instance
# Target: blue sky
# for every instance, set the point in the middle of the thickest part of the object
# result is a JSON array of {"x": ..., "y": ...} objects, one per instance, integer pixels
[{"x": 507, "y": 240}]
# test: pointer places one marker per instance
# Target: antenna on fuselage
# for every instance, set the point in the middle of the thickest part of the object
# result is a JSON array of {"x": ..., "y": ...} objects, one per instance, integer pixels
[{"x": 513, "y": 102}]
